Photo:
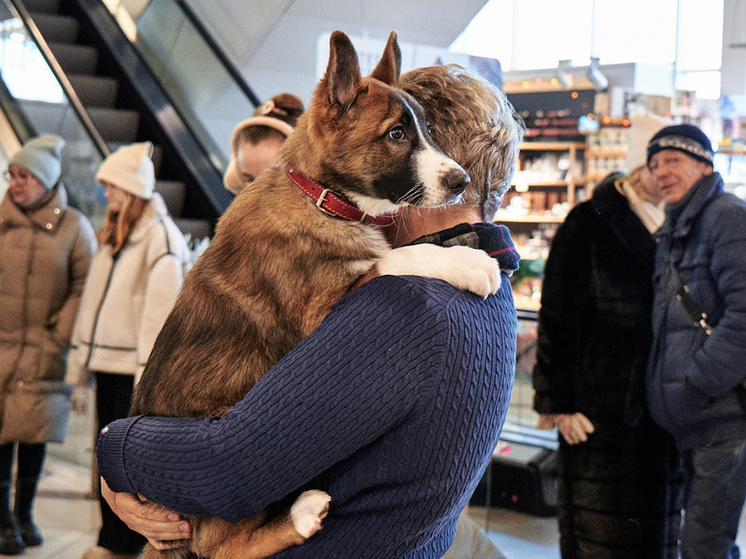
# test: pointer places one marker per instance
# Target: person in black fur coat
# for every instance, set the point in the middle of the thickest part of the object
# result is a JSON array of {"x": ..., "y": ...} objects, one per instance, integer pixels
[{"x": 619, "y": 488}]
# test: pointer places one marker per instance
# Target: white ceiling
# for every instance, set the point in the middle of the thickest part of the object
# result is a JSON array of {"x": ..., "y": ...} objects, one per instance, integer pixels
[{"x": 274, "y": 41}]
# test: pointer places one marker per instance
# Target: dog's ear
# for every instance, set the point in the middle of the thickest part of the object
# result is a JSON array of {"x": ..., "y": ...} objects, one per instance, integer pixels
[
  {"x": 388, "y": 68},
  {"x": 342, "y": 78}
]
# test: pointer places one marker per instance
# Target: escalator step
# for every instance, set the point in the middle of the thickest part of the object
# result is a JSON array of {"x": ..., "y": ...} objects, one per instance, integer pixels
[
  {"x": 75, "y": 59},
  {"x": 173, "y": 193},
  {"x": 56, "y": 28},
  {"x": 95, "y": 91},
  {"x": 115, "y": 125},
  {"x": 46, "y": 6}
]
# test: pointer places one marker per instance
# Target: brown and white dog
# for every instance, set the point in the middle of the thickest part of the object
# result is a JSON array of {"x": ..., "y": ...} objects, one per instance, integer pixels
[{"x": 286, "y": 250}]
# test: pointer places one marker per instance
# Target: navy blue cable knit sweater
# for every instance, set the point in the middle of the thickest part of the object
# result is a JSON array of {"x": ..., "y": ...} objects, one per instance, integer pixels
[{"x": 393, "y": 406}]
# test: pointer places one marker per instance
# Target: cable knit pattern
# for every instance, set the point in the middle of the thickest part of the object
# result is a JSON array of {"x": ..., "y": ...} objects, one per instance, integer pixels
[{"x": 400, "y": 445}]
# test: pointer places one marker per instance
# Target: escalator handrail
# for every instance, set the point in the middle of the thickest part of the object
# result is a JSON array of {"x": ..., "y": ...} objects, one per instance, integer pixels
[
  {"x": 219, "y": 53},
  {"x": 62, "y": 79}
]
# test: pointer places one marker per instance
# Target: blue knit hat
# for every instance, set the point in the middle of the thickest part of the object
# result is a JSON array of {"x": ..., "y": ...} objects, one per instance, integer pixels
[{"x": 686, "y": 138}]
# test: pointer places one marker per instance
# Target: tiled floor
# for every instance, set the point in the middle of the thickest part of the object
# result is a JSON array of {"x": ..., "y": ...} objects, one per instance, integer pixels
[
  {"x": 517, "y": 535},
  {"x": 68, "y": 518},
  {"x": 65, "y": 511}
]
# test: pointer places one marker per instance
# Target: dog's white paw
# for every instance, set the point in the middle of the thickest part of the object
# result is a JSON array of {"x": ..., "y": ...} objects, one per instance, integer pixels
[
  {"x": 309, "y": 509},
  {"x": 475, "y": 271},
  {"x": 463, "y": 267}
]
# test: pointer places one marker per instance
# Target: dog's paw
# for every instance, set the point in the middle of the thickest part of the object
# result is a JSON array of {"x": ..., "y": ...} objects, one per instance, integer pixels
[
  {"x": 309, "y": 509},
  {"x": 475, "y": 271},
  {"x": 463, "y": 267}
]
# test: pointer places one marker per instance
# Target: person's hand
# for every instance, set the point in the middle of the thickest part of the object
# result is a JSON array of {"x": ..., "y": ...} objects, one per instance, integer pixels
[
  {"x": 574, "y": 428},
  {"x": 163, "y": 528},
  {"x": 80, "y": 400},
  {"x": 546, "y": 421}
]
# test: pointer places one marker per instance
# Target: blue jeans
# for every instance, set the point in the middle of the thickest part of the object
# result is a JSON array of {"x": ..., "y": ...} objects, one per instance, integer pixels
[{"x": 716, "y": 488}]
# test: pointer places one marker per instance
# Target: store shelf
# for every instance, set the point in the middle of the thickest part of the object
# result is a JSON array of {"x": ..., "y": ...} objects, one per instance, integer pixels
[
  {"x": 552, "y": 146},
  {"x": 605, "y": 152},
  {"x": 541, "y": 185},
  {"x": 529, "y": 218},
  {"x": 550, "y": 184}
]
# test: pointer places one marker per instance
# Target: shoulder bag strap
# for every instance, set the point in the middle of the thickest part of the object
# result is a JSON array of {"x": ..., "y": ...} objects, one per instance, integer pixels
[{"x": 690, "y": 305}]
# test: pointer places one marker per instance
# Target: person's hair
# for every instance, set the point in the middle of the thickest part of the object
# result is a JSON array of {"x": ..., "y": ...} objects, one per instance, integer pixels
[
  {"x": 473, "y": 123},
  {"x": 117, "y": 226},
  {"x": 284, "y": 107}
]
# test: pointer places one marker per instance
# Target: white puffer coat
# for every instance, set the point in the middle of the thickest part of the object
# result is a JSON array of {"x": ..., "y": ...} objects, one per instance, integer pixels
[{"x": 128, "y": 298}]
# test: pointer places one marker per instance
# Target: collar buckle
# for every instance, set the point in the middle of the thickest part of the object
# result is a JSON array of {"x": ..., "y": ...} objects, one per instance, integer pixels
[{"x": 321, "y": 200}]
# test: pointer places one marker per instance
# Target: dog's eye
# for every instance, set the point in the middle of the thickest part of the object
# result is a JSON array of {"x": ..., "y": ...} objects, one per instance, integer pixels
[{"x": 397, "y": 133}]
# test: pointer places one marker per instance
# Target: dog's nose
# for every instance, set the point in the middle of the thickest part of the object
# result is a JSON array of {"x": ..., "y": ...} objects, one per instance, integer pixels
[{"x": 456, "y": 181}]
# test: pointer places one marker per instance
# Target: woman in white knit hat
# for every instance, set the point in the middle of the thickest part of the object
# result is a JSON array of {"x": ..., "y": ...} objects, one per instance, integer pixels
[
  {"x": 618, "y": 495},
  {"x": 256, "y": 141},
  {"x": 131, "y": 288},
  {"x": 45, "y": 250}
]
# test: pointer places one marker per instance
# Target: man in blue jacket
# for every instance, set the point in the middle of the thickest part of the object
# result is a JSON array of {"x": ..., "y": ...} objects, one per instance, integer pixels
[{"x": 697, "y": 368}]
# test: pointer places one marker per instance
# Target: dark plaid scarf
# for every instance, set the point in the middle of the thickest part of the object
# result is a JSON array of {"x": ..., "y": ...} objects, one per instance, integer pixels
[{"x": 494, "y": 239}]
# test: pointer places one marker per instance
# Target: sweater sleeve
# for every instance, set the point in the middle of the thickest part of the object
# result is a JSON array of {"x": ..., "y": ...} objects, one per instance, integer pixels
[{"x": 352, "y": 380}]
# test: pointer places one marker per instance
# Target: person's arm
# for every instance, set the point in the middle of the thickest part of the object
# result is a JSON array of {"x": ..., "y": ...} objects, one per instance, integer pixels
[
  {"x": 717, "y": 366},
  {"x": 79, "y": 260},
  {"x": 353, "y": 379}
]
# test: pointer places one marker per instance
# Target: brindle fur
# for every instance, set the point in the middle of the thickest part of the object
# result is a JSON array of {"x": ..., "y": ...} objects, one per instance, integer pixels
[{"x": 277, "y": 265}]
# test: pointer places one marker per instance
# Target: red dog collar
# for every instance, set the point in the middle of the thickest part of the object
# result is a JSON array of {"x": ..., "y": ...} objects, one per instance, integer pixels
[{"x": 335, "y": 204}]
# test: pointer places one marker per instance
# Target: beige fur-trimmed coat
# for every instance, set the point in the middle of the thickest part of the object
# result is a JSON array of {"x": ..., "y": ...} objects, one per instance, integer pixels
[
  {"x": 127, "y": 299},
  {"x": 44, "y": 258}
]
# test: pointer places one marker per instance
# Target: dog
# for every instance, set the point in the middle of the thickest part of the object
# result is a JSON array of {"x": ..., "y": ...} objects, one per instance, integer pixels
[{"x": 286, "y": 250}]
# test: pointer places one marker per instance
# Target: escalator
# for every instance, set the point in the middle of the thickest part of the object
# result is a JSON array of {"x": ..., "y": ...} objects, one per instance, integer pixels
[{"x": 69, "y": 68}]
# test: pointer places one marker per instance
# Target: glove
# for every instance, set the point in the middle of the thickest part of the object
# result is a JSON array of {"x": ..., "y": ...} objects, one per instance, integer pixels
[
  {"x": 80, "y": 400},
  {"x": 574, "y": 428}
]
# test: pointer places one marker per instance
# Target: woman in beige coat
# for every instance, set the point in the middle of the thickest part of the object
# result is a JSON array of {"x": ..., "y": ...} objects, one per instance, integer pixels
[
  {"x": 45, "y": 251},
  {"x": 131, "y": 288}
]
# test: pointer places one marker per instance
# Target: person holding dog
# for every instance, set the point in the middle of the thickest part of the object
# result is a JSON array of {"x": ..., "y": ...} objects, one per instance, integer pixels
[
  {"x": 393, "y": 405},
  {"x": 132, "y": 285},
  {"x": 45, "y": 249},
  {"x": 695, "y": 378},
  {"x": 618, "y": 493},
  {"x": 256, "y": 141}
]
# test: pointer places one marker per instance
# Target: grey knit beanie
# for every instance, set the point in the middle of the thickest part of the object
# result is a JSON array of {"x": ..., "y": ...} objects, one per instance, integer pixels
[{"x": 41, "y": 156}]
